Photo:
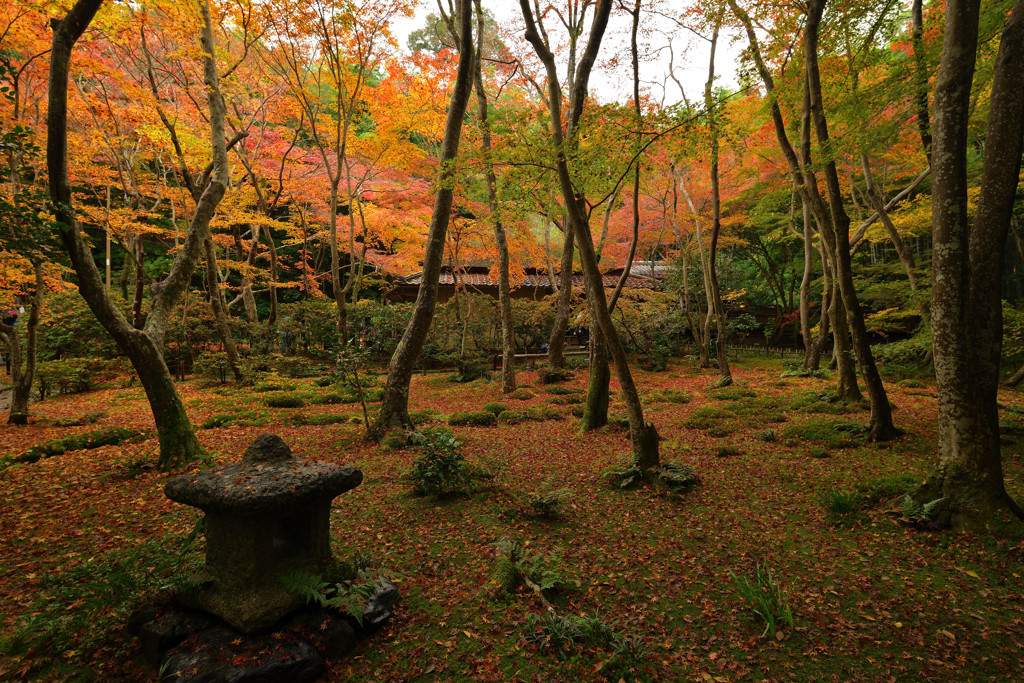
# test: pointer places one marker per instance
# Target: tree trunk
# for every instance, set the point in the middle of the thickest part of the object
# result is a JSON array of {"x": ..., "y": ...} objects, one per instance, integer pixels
[
  {"x": 716, "y": 222},
  {"x": 966, "y": 282},
  {"x": 881, "y": 426},
  {"x": 595, "y": 410},
  {"x": 178, "y": 444},
  {"x": 508, "y": 342},
  {"x": 272, "y": 318},
  {"x": 394, "y": 410},
  {"x": 644, "y": 436},
  {"x": 805, "y": 291},
  {"x": 23, "y": 370},
  {"x": 556, "y": 344},
  {"x": 219, "y": 306}
]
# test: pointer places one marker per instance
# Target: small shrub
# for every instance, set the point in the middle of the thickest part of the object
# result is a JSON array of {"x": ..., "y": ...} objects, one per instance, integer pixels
[
  {"x": 219, "y": 420},
  {"x": 763, "y": 595},
  {"x": 325, "y": 380},
  {"x": 766, "y": 435},
  {"x": 515, "y": 565},
  {"x": 911, "y": 384},
  {"x": 554, "y": 375},
  {"x": 622, "y": 655},
  {"x": 474, "y": 418},
  {"x": 841, "y": 508},
  {"x": 679, "y": 477},
  {"x": 442, "y": 470},
  {"x": 284, "y": 400},
  {"x": 496, "y": 408},
  {"x": 333, "y": 398},
  {"x": 70, "y": 375},
  {"x": 469, "y": 369},
  {"x": 522, "y": 394},
  {"x": 727, "y": 452},
  {"x": 213, "y": 365},
  {"x": 546, "y": 501}
]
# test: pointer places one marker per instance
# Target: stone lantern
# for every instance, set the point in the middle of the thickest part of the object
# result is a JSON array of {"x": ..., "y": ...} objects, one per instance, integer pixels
[{"x": 267, "y": 516}]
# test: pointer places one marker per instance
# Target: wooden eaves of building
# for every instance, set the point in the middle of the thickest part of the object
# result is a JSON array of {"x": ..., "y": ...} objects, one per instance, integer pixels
[{"x": 477, "y": 280}]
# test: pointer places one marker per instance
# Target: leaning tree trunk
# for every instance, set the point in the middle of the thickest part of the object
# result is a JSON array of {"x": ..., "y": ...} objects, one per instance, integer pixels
[
  {"x": 508, "y": 341},
  {"x": 644, "y": 436},
  {"x": 178, "y": 444},
  {"x": 966, "y": 281},
  {"x": 881, "y": 427},
  {"x": 394, "y": 410}
]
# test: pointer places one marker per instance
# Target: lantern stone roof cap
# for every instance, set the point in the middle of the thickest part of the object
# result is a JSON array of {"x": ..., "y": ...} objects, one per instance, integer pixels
[{"x": 268, "y": 479}]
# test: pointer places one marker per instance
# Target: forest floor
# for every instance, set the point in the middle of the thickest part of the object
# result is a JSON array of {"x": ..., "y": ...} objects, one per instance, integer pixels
[{"x": 872, "y": 596}]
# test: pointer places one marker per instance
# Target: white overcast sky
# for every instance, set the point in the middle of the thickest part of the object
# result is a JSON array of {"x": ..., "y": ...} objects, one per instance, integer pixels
[{"x": 690, "y": 67}]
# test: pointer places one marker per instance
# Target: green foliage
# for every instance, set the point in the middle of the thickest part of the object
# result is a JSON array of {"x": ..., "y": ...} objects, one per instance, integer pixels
[
  {"x": 678, "y": 477},
  {"x": 841, "y": 507},
  {"x": 766, "y": 435},
  {"x": 731, "y": 393},
  {"x": 564, "y": 636},
  {"x": 818, "y": 402},
  {"x": 213, "y": 365},
  {"x": 428, "y": 415},
  {"x": 885, "y": 488},
  {"x": 546, "y": 501},
  {"x": 522, "y": 394},
  {"x": 668, "y": 396},
  {"x": 87, "y": 419},
  {"x": 68, "y": 329},
  {"x": 827, "y": 433},
  {"x": 300, "y": 419},
  {"x": 441, "y": 470},
  {"x": 349, "y": 595},
  {"x": 284, "y": 400},
  {"x": 706, "y": 418},
  {"x": 470, "y": 368},
  {"x": 569, "y": 400},
  {"x": 554, "y": 375},
  {"x": 242, "y": 418},
  {"x": 108, "y": 436},
  {"x": 763, "y": 594},
  {"x": 516, "y": 565},
  {"x": 473, "y": 418},
  {"x": 531, "y": 414},
  {"x": 919, "y": 513},
  {"x": 72, "y": 375},
  {"x": 562, "y": 391},
  {"x": 495, "y": 408}
]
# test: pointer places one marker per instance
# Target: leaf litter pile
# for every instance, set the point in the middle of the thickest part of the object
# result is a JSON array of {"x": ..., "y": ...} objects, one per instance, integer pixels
[{"x": 546, "y": 572}]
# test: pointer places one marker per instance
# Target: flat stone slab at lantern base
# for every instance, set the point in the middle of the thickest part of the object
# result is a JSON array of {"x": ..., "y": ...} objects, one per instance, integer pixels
[{"x": 266, "y": 516}]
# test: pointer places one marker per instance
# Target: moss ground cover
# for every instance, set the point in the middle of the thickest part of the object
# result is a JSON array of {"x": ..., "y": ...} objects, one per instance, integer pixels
[{"x": 871, "y": 598}]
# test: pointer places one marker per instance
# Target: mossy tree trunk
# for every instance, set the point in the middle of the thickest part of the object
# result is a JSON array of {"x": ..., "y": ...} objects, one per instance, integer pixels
[
  {"x": 394, "y": 410},
  {"x": 178, "y": 444},
  {"x": 966, "y": 281}
]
